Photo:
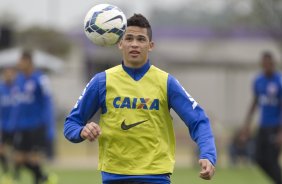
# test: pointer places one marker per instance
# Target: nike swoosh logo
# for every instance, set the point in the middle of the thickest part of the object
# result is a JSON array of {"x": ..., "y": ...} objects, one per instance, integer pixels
[
  {"x": 127, "y": 127},
  {"x": 116, "y": 17}
]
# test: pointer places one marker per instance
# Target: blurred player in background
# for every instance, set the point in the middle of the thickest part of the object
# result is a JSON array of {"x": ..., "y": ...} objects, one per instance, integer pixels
[
  {"x": 7, "y": 126},
  {"x": 33, "y": 115},
  {"x": 241, "y": 148},
  {"x": 267, "y": 91},
  {"x": 136, "y": 136}
]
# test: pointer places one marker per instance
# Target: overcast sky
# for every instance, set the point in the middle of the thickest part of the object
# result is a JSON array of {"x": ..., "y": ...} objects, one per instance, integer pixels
[{"x": 65, "y": 14}]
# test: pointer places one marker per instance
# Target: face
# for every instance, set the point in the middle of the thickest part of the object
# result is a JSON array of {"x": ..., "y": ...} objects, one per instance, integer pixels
[
  {"x": 268, "y": 65},
  {"x": 9, "y": 74},
  {"x": 135, "y": 46},
  {"x": 24, "y": 65}
]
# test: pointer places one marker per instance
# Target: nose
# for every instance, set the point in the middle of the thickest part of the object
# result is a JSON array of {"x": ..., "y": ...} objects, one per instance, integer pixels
[{"x": 134, "y": 43}]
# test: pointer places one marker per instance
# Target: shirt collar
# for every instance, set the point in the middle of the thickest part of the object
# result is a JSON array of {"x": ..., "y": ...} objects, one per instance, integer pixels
[{"x": 137, "y": 73}]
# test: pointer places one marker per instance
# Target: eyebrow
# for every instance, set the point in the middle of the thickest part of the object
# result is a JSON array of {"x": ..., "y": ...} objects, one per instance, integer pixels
[{"x": 135, "y": 35}]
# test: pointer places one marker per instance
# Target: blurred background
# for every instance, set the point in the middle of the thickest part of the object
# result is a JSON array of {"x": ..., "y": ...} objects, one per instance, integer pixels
[{"x": 212, "y": 47}]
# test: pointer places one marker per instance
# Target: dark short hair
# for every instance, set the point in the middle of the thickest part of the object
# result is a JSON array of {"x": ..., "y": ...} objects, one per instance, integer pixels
[
  {"x": 26, "y": 54},
  {"x": 140, "y": 21},
  {"x": 267, "y": 55}
]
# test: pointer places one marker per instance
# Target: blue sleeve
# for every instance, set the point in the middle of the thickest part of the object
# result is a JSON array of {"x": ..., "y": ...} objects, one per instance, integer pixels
[
  {"x": 86, "y": 106},
  {"x": 255, "y": 88},
  {"x": 1, "y": 111},
  {"x": 194, "y": 117},
  {"x": 48, "y": 113},
  {"x": 51, "y": 127}
]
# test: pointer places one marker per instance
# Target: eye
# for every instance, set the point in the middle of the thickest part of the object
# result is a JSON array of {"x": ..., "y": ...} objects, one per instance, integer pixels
[
  {"x": 142, "y": 39},
  {"x": 128, "y": 38}
]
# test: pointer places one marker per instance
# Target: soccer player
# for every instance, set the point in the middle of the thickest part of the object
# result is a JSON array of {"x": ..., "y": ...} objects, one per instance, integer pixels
[
  {"x": 135, "y": 132},
  {"x": 32, "y": 117},
  {"x": 267, "y": 92},
  {"x": 7, "y": 103}
]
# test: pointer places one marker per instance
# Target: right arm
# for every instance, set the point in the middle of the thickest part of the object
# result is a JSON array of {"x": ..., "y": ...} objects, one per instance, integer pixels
[
  {"x": 76, "y": 128},
  {"x": 252, "y": 108},
  {"x": 198, "y": 124},
  {"x": 251, "y": 111}
]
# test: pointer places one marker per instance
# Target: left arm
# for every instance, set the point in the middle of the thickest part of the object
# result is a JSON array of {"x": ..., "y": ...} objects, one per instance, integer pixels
[
  {"x": 279, "y": 135},
  {"x": 48, "y": 116},
  {"x": 198, "y": 123}
]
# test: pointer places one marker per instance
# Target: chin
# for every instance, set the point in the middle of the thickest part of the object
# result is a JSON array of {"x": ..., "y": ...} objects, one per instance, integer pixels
[{"x": 136, "y": 62}]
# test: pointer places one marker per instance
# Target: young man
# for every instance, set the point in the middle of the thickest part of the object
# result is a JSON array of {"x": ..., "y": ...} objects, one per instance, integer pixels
[
  {"x": 7, "y": 128},
  {"x": 32, "y": 116},
  {"x": 267, "y": 90},
  {"x": 135, "y": 132}
]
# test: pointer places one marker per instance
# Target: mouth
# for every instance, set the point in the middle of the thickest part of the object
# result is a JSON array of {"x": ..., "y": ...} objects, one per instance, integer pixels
[{"x": 134, "y": 52}]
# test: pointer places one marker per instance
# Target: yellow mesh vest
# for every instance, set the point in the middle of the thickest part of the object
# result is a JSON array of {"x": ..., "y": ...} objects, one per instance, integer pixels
[{"x": 137, "y": 131}]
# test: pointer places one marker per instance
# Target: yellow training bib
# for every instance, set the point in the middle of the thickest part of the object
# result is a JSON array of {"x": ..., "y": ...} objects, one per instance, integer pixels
[{"x": 137, "y": 131}]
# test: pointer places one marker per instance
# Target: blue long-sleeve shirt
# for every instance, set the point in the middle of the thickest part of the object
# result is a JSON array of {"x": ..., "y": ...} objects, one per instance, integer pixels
[
  {"x": 34, "y": 105},
  {"x": 7, "y": 104},
  {"x": 93, "y": 98}
]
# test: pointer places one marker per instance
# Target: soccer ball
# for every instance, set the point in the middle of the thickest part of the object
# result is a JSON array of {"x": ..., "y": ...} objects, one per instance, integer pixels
[{"x": 104, "y": 24}]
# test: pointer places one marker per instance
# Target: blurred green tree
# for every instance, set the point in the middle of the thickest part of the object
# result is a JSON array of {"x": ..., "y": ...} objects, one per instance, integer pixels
[
  {"x": 45, "y": 39},
  {"x": 269, "y": 14}
]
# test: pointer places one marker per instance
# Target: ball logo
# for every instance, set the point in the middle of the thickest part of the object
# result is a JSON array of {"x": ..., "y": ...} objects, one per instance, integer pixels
[{"x": 136, "y": 103}]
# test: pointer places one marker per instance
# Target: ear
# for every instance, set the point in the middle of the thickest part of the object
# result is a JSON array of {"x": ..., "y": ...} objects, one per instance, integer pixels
[
  {"x": 120, "y": 44},
  {"x": 151, "y": 45}
]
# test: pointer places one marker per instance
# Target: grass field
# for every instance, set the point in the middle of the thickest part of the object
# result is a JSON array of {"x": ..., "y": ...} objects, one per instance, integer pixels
[
  {"x": 181, "y": 176},
  {"x": 83, "y": 154}
]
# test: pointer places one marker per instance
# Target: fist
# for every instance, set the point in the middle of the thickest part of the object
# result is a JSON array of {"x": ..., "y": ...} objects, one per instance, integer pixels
[
  {"x": 279, "y": 139},
  {"x": 207, "y": 169},
  {"x": 90, "y": 131}
]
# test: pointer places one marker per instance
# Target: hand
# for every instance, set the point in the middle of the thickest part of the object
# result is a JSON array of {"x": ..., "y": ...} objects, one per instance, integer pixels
[
  {"x": 90, "y": 131},
  {"x": 246, "y": 129},
  {"x": 208, "y": 169},
  {"x": 279, "y": 138}
]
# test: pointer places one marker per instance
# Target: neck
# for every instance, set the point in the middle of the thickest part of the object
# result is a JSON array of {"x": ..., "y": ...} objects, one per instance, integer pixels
[
  {"x": 134, "y": 65},
  {"x": 28, "y": 72},
  {"x": 268, "y": 74},
  {"x": 9, "y": 82}
]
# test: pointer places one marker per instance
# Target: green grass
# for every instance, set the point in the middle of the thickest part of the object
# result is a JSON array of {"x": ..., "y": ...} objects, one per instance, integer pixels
[{"x": 181, "y": 176}]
